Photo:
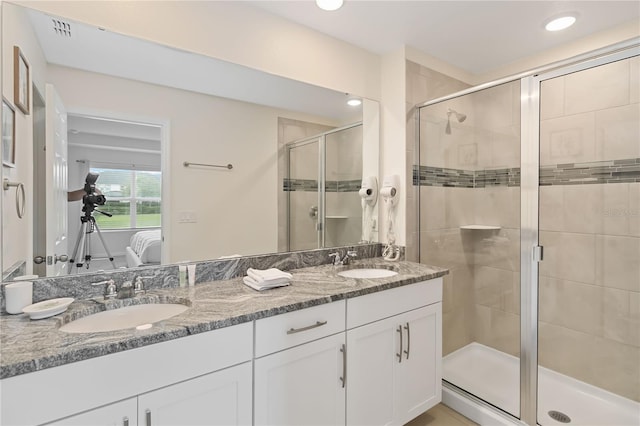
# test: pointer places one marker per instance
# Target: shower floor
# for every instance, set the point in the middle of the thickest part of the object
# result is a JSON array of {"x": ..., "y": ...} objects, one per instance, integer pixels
[{"x": 494, "y": 376}]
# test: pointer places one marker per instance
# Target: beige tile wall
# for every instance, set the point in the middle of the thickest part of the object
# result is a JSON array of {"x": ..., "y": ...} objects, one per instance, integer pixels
[
  {"x": 423, "y": 84},
  {"x": 590, "y": 277}
]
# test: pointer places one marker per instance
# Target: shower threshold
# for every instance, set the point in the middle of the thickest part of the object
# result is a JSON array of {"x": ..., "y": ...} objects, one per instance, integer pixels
[{"x": 494, "y": 376}]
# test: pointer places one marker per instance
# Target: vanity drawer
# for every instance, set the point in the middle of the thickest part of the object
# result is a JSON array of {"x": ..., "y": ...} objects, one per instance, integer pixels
[
  {"x": 294, "y": 328},
  {"x": 384, "y": 304}
]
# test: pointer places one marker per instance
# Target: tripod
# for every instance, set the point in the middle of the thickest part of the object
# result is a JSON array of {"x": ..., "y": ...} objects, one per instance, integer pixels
[{"x": 83, "y": 242}]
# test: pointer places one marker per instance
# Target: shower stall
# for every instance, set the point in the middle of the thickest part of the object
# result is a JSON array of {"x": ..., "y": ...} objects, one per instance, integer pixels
[
  {"x": 321, "y": 186},
  {"x": 529, "y": 192}
]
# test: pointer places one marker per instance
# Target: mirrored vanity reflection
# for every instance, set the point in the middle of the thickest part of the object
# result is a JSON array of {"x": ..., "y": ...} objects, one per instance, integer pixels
[{"x": 194, "y": 156}]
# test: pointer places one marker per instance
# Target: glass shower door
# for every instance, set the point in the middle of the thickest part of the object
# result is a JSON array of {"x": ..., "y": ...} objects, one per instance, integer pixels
[
  {"x": 589, "y": 226},
  {"x": 469, "y": 190},
  {"x": 304, "y": 203},
  {"x": 343, "y": 177}
]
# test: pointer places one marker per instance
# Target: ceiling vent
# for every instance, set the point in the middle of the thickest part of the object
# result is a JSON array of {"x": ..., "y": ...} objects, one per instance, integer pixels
[{"x": 61, "y": 28}]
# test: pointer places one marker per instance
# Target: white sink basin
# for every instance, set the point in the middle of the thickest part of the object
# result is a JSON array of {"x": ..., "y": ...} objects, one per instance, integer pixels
[
  {"x": 367, "y": 273},
  {"x": 139, "y": 316}
]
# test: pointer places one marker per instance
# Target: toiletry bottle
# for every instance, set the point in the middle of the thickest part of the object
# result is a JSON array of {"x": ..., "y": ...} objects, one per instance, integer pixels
[
  {"x": 182, "y": 275},
  {"x": 192, "y": 274}
]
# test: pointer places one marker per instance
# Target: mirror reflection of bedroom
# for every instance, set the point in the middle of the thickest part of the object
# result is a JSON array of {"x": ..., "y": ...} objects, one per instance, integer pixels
[{"x": 126, "y": 156}]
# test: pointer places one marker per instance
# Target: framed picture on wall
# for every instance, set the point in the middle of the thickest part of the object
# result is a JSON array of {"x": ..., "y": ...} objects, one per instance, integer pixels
[
  {"x": 20, "y": 80},
  {"x": 8, "y": 134}
]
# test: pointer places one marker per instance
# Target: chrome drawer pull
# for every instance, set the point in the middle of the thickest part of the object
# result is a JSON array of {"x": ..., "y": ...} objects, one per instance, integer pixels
[
  {"x": 406, "y": 327},
  {"x": 343, "y": 379},
  {"x": 148, "y": 413},
  {"x": 125, "y": 421},
  {"x": 309, "y": 327},
  {"x": 399, "y": 355}
]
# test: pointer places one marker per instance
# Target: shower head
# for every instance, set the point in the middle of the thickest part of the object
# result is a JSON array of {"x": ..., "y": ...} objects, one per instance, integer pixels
[{"x": 459, "y": 116}]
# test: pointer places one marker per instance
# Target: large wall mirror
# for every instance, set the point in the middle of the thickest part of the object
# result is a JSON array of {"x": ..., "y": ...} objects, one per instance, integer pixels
[{"x": 193, "y": 158}]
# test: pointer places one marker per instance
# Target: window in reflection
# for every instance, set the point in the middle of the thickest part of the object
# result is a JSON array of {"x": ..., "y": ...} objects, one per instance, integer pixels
[{"x": 133, "y": 198}]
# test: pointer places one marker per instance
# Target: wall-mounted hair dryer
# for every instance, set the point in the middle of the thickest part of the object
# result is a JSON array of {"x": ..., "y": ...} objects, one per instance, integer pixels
[
  {"x": 369, "y": 191},
  {"x": 389, "y": 191},
  {"x": 389, "y": 194}
]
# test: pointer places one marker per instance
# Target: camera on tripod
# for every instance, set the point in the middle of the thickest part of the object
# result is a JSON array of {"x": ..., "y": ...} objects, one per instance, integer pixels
[
  {"x": 82, "y": 250},
  {"x": 91, "y": 198}
]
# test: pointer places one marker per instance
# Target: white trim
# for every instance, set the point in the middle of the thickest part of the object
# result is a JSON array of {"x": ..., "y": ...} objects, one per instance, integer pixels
[
  {"x": 115, "y": 148},
  {"x": 116, "y": 165}
]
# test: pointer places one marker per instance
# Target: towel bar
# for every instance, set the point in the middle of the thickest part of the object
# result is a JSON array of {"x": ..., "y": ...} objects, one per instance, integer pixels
[
  {"x": 188, "y": 163},
  {"x": 20, "y": 195}
]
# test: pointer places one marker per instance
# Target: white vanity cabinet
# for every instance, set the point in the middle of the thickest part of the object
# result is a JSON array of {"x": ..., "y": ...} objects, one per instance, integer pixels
[
  {"x": 394, "y": 343},
  {"x": 171, "y": 377},
  {"x": 368, "y": 360},
  {"x": 299, "y": 374},
  {"x": 222, "y": 398}
]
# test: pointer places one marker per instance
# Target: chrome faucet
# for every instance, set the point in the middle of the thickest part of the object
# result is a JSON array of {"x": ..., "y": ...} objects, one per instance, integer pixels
[
  {"x": 138, "y": 285},
  {"x": 110, "y": 290},
  {"x": 339, "y": 260}
]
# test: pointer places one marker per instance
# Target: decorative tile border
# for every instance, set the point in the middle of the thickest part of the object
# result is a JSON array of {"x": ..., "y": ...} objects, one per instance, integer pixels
[
  {"x": 311, "y": 185},
  {"x": 459, "y": 178},
  {"x": 440, "y": 176},
  {"x": 602, "y": 172},
  {"x": 613, "y": 171}
]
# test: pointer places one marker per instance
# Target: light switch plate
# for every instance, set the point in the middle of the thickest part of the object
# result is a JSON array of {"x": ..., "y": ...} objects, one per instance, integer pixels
[{"x": 187, "y": 217}]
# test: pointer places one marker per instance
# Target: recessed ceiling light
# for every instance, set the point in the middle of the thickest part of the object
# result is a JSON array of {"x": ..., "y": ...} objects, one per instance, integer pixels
[
  {"x": 560, "y": 23},
  {"x": 329, "y": 4},
  {"x": 354, "y": 102}
]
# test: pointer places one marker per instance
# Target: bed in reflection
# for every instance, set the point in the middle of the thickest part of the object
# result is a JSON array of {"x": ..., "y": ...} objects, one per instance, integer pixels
[{"x": 144, "y": 248}]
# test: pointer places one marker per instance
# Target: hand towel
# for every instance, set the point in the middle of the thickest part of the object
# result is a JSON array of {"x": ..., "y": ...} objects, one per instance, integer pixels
[
  {"x": 268, "y": 274},
  {"x": 261, "y": 286}
]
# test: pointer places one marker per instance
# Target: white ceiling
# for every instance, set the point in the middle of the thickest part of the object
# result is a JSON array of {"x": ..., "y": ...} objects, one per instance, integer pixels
[{"x": 476, "y": 36}]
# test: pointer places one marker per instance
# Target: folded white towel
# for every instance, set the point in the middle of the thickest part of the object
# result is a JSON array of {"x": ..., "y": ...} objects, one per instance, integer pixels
[
  {"x": 264, "y": 286},
  {"x": 268, "y": 274},
  {"x": 231, "y": 256}
]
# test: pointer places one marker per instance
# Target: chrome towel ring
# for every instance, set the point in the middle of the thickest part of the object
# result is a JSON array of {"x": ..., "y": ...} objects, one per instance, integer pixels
[{"x": 20, "y": 195}]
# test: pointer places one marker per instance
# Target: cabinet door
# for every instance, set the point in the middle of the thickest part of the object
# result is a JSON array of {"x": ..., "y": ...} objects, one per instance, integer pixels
[
  {"x": 123, "y": 413},
  {"x": 371, "y": 358},
  {"x": 302, "y": 385},
  {"x": 220, "y": 398},
  {"x": 418, "y": 384}
]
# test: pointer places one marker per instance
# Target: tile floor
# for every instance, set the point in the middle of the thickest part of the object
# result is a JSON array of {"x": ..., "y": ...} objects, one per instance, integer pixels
[{"x": 441, "y": 415}]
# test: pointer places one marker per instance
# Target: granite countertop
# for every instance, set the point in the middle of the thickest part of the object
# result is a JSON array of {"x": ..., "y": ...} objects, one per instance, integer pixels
[{"x": 32, "y": 345}]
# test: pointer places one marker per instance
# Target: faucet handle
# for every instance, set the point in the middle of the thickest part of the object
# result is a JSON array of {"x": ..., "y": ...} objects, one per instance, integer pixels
[
  {"x": 110, "y": 290},
  {"x": 138, "y": 286},
  {"x": 336, "y": 258}
]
